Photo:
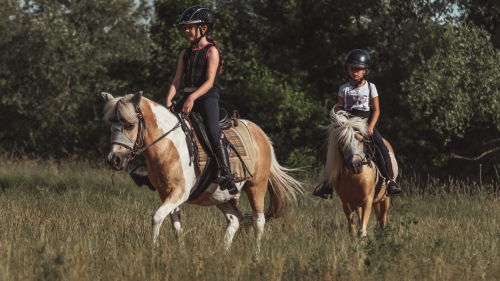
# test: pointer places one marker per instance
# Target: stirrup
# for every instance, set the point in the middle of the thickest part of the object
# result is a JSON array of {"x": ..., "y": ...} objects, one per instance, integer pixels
[
  {"x": 324, "y": 191},
  {"x": 393, "y": 188},
  {"x": 228, "y": 184}
]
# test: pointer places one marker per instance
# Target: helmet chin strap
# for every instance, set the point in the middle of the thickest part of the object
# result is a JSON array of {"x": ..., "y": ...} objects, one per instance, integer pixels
[
  {"x": 199, "y": 39},
  {"x": 357, "y": 82}
]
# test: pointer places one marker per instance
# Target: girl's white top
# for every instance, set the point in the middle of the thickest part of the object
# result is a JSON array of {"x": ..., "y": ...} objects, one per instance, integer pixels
[{"x": 357, "y": 98}]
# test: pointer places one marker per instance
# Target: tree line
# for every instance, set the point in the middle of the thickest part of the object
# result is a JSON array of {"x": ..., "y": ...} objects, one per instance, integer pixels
[{"x": 435, "y": 65}]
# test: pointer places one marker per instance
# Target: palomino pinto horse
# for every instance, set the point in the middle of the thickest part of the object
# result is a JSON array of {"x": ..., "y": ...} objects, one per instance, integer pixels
[
  {"x": 356, "y": 182},
  {"x": 170, "y": 170}
]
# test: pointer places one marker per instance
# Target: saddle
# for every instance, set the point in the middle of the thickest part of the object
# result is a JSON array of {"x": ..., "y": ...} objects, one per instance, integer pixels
[{"x": 211, "y": 169}]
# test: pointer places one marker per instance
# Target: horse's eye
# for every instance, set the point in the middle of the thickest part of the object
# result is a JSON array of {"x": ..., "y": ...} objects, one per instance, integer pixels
[{"x": 130, "y": 126}]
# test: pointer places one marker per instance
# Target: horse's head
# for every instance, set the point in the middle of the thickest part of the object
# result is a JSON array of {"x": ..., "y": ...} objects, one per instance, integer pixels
[
  {"x": 123, "y": 115},
  {"x": 345, "y": 145},
  {"x": 354, "y": 155}
]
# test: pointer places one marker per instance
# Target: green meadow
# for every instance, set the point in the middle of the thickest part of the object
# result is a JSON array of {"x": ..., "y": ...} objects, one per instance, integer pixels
[{"x": 66, "y": 220}]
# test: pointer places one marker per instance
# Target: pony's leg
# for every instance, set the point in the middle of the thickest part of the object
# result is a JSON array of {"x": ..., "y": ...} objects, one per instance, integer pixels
[
  {"x": 233, "y": 217},
  {"x": 256, "y": 194},
  {"x": 350, "y": 218},
  {"x": 382, "y": 216},
  {"x": 175, "y": 218},
  {"x": 259, "y": 220},
  {"x": 166, "y": 209},
  {"x": 365, "y": 216},
  {"x": 376, "y": 208}
]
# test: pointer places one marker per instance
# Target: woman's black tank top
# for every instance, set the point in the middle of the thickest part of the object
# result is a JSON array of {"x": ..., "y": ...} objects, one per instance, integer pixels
[{"x": 195, "y": 67}]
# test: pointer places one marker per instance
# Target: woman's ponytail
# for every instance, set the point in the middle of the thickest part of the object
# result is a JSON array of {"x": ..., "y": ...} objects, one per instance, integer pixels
[{"x": 221, "y": 58}]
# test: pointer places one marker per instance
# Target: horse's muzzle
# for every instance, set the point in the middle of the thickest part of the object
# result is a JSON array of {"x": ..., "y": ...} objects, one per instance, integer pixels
[
  {"x": 356, "y": 164},
  {"x": 118, "y": 160}
]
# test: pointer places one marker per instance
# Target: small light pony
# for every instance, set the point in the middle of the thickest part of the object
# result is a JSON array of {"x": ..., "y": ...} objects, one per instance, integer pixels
[
  {"x": 175, "y": 177},
  {"x": 356, "y": 181}
]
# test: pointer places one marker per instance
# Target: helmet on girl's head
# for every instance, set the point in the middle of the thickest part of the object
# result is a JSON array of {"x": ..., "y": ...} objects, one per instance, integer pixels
[
  {"x": 358, "y": 58},
  {"x": 198, "y": 15}
]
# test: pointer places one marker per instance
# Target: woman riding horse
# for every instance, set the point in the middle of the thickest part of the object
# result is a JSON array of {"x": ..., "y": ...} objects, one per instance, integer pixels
[
  {"x": 360, "y": 98},
  {"x": 201, "y": 65}
]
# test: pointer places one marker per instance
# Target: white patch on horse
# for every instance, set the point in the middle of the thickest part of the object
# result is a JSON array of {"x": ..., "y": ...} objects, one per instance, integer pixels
[
  {"x": 233, "y": 218},
  {"x": 166, "y": 121},
  {"x": 259, "y": 220},
  {"x": 220, "y": 196}
]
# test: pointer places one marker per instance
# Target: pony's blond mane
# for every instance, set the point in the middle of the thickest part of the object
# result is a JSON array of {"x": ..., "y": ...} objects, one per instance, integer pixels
[
  {"x": 120, "y": 108},
  {"x": 341, "y": 133}
]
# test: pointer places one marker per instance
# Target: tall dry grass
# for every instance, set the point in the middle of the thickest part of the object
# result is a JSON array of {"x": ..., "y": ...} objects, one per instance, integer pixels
[{"x": 65, "y": 220}]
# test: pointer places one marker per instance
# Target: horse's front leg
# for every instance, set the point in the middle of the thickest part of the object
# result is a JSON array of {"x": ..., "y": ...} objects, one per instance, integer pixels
[
  {"x": 175, "y": 218},
  {"x": 169, "y": 206},
  {"x": 233, "y": 217},
  {"x": 365, "y": 211}
]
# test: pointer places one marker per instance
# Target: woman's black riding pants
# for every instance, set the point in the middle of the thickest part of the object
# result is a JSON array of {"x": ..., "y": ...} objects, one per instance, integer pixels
[{"x": 208, "y": 107}]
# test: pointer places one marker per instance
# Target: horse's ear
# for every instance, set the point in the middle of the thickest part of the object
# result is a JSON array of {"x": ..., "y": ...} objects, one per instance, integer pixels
[
  {"x": 136, "y": 99},
  {"x": 106, "y": 96}
]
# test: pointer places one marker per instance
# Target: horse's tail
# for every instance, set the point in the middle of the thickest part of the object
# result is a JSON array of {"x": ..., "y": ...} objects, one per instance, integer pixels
[{"x": 283, "y": 189}]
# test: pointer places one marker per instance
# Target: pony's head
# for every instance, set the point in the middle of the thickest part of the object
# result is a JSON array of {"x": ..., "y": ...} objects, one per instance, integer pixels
[
  {"x": 345, "y": 145},
  {"x": 123, "y": 116}
]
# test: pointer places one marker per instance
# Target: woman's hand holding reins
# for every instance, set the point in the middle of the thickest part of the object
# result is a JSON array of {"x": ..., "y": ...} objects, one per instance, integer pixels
[
  {"x": 369, "y": 130},
  {"x": 188, "y": 105}
]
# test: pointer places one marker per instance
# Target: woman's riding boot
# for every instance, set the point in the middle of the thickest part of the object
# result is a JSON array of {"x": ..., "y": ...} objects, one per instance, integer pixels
[
  {"x": 141, "y": 180},
  {"x": 392, "y": 187},
  {"x": 325, "y": 190},
  {"x": 225, "y": 178}
]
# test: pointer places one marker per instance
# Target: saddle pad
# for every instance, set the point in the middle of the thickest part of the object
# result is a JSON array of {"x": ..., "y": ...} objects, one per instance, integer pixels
[{"x": 240, "y": 138}]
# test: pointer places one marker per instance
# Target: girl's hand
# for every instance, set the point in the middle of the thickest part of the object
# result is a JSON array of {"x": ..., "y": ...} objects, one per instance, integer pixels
[
  {"x": 370, "y": 130},
  {"x": 188, "y": 105},
  {"x": 168, "y": 103}
]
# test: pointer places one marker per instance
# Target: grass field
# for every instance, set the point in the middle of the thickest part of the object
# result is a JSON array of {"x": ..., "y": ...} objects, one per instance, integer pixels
[{"x": 67, "y": 221}]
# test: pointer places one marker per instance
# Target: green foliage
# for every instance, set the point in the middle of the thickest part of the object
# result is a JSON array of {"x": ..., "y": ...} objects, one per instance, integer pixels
[
  {"x": 457, "y": 88},
  {"x": 56, "y": 61},
  {"x": 283, "y": 67}
]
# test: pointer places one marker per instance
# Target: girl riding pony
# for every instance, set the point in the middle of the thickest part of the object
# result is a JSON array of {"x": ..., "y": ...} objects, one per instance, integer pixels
[
  {"x": 360, "y": 98},
  {"x": 199, "y": 68}
]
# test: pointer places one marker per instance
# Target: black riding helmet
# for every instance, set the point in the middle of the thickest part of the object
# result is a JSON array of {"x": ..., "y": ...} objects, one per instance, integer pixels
[
  {"x": 360, "y": 59},
  {"x": 198, "y": 15}
]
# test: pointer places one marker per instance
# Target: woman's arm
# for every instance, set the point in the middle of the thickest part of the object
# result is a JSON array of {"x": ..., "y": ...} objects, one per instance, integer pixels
[
  {"x": 375, "y": 115},
  {"x": 177, "y": 80},
  {"x": 213, "y": 64},
  {"x": 340, "y": 104}
]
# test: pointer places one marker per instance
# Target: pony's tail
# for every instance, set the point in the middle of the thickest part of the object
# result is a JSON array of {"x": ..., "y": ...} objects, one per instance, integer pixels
[{"x": 283, "y": 189}]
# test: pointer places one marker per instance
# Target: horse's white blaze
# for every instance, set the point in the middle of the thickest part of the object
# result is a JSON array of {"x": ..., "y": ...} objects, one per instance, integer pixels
[
  {"x": 166, "y": 121},
  {"x": 233, "y": 218}
]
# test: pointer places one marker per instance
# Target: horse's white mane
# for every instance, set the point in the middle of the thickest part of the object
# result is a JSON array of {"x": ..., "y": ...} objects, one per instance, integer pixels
[
  {"x": 120, "y": 108},
  {"x": 341, "y": 133}
]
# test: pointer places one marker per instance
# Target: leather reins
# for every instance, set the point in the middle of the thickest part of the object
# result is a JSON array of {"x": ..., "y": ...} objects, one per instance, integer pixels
[{"x": 141, "y": 134}]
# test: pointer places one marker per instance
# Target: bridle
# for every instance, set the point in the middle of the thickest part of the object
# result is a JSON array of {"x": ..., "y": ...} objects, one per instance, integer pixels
[
  {"x": 137, "y": 147},
  {"x": 368, "y": 153}
]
